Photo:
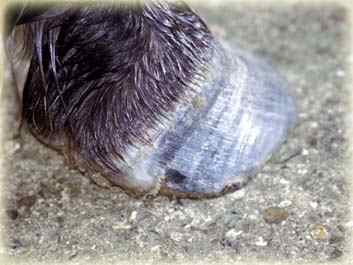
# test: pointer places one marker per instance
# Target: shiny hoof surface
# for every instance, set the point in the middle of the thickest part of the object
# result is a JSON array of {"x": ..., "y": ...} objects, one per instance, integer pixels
[{"x": 218, "y": 139}]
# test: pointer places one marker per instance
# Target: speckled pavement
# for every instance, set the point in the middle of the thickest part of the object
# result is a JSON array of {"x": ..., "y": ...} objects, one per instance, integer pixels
[{"x": 295, "y": 209}]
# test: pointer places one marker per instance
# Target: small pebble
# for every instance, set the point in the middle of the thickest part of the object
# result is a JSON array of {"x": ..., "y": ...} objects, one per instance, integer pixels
[
  {"x": 284, "y": 181},
  {"x": 133, "y": 216},
  {"x": 305, "y": 152},
  {"x": 261, "y": 242},
  {"x": 313, "y": 204},
  {"x": 285, "y": 203},
  {"x": 232, "y": 234},
  {"x": 275, "y": 215},
  {"x": 121, "y": 226},
  {"x": 302, "y": 171},
  {"x": 319, "y": 232}
]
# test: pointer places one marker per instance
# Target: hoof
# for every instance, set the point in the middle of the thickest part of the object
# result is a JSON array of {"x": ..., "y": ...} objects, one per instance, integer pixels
[{"x": 218, "y": 138}]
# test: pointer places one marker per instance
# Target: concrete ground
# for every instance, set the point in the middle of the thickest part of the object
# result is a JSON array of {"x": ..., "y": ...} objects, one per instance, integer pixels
[{"x": 295, "y": 209}]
